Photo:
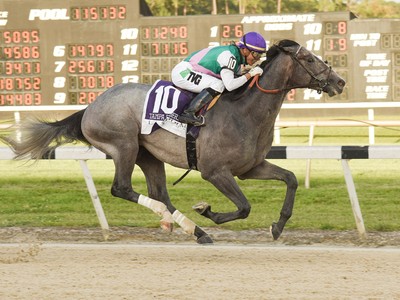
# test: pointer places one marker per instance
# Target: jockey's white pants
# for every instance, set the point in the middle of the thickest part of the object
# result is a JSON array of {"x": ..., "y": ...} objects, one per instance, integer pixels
[{"x": 185, "y": 77}]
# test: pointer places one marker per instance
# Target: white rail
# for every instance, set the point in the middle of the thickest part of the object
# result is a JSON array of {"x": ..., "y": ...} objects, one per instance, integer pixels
[
  {"x": 388, "y": 104},
  {"x": 338, "y": 123},
  {"x": 342, "y": 153}
]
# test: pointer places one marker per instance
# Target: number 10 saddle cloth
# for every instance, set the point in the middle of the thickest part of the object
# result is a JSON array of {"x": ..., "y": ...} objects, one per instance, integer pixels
[{"x": 164, "y": 103}]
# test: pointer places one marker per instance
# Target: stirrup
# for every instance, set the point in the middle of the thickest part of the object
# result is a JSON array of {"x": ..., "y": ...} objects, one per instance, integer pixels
[
  {"x": 201, "y": 123},
  {"x": 192, "y": 120}
]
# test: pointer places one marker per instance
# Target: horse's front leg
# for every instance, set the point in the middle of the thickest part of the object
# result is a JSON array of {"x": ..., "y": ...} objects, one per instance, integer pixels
[
  {"x": 226, "y": 184},
  {"x": 266, "y": 171}
]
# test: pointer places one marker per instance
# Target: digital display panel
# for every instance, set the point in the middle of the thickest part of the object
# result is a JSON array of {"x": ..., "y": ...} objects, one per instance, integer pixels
[
  {"x": 231, "y": 31},
  {"x": 98, "y": 13},
  {"x": 339, "y": 27},
  {"x": 69, "y": 52}
]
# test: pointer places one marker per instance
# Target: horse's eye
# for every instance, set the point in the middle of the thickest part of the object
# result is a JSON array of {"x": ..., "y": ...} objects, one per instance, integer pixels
[{"x": 310, "y": 60}]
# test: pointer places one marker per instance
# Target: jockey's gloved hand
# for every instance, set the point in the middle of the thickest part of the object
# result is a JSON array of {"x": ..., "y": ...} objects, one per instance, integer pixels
[
  {"x": 246, "y": 68},
  {"x": 255, "y": 71}
]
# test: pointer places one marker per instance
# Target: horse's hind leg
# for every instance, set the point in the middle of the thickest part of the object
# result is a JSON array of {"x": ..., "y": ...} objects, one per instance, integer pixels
[
  {"x": 266, "y": 171},
  {"x": 159, "y": 200},
  {"x": 124, "y": 161},
  {"x": 125, "y": 157},
  {"x": 154, "y": 171}
]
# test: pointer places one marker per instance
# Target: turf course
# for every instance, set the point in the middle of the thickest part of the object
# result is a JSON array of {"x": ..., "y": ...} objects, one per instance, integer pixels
[{"x": 53, "y": 193}]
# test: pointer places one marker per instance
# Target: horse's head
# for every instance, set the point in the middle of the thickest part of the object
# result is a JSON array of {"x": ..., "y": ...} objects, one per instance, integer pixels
[{"x": 308, "y": 71}]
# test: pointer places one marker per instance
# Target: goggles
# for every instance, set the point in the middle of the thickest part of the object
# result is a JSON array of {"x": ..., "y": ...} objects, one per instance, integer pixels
[{"x": 256, "y": 55}]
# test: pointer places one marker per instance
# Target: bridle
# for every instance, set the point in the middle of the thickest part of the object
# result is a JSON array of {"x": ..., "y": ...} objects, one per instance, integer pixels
[{"x": 322, "y": 83}]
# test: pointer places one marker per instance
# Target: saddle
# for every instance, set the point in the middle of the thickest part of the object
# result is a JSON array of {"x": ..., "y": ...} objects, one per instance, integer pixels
[{"x": 164, "y": 103}]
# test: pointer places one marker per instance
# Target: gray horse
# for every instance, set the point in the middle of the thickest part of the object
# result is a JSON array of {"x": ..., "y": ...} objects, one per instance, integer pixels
[{"x": 234, "y": 143}]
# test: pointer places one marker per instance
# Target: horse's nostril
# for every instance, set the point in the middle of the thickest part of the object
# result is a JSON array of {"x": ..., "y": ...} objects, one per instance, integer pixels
[{"x": 341, "y": 83}]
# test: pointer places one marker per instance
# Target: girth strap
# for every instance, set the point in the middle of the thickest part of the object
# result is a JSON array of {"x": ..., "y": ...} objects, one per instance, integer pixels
[
  {"x": 191, "y": 149},
  {"x": 190, "y": 152}
]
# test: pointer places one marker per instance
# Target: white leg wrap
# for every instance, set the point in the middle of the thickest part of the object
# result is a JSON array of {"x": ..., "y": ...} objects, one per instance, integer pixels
[
  {"x": 167, "y": 217},
  {"x": 187, "y": 225},
  {"x": 158, "y": 207}
]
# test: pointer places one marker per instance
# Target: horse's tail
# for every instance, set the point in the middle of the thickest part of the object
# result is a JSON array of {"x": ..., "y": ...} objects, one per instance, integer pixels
[{"x": 38, "y": 139}]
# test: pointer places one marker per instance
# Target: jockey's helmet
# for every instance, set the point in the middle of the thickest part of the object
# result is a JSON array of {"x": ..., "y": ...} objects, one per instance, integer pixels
[{"x": 253, "y": 41}]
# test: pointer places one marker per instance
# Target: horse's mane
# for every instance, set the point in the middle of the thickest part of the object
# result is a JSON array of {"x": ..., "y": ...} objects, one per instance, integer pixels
[
  {"x": 272, "y": 53},
  {"x": 274, "y": 50}
]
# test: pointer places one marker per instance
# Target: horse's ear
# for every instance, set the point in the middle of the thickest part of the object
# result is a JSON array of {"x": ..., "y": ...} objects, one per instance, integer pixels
[
  {"x": 287, "y": 45},
  {"x": 291, "y": 50}
]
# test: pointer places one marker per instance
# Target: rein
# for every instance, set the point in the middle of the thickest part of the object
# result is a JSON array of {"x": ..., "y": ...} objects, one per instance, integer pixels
[
  {"x": 322, "y": 83},
  {"x": 255, "y": 80}
]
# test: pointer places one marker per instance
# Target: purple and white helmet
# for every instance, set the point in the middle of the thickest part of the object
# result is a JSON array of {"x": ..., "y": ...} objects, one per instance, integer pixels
[{"x": 253, "y": 41}]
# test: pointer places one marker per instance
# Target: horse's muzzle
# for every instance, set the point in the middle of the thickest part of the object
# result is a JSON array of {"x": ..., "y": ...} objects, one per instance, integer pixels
[{"x": 335, "y": 87}]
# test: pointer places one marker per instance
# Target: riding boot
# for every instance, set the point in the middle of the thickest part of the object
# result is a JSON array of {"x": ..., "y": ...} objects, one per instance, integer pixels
[{"x": 189, "y": 114}]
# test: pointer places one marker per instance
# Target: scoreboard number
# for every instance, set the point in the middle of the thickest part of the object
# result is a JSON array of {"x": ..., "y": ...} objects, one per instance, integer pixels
[{"x": 68, "y": 53}]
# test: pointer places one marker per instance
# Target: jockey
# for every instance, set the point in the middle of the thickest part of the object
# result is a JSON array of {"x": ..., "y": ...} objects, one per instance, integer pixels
[{"x": 211, "y": 70}]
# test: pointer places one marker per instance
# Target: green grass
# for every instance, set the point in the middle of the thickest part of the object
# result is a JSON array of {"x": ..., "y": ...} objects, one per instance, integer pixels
[{"x": 53, "y": 193}]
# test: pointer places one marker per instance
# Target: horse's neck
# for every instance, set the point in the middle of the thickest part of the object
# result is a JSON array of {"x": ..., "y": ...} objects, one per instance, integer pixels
[
  {"x": 265, "y": 106},
  {"x": 277, "y": 74},
  {"x": 259, "y": 109}
]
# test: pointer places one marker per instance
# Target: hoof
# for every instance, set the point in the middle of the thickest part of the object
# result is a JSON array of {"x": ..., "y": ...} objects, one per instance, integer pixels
[
  {"x": 167, "y": 226},
  {"x": 276, "y": 233},
  {"x": 201, "y": 207},
  {"x": 205, "y": 239}
]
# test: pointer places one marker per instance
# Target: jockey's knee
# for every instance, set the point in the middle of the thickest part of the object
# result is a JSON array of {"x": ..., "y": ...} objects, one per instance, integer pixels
[{"x": 218, "y": 86}]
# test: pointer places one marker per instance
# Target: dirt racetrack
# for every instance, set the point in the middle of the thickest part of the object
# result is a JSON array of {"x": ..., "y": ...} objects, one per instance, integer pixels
[{"x": 61, "y": 263}]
